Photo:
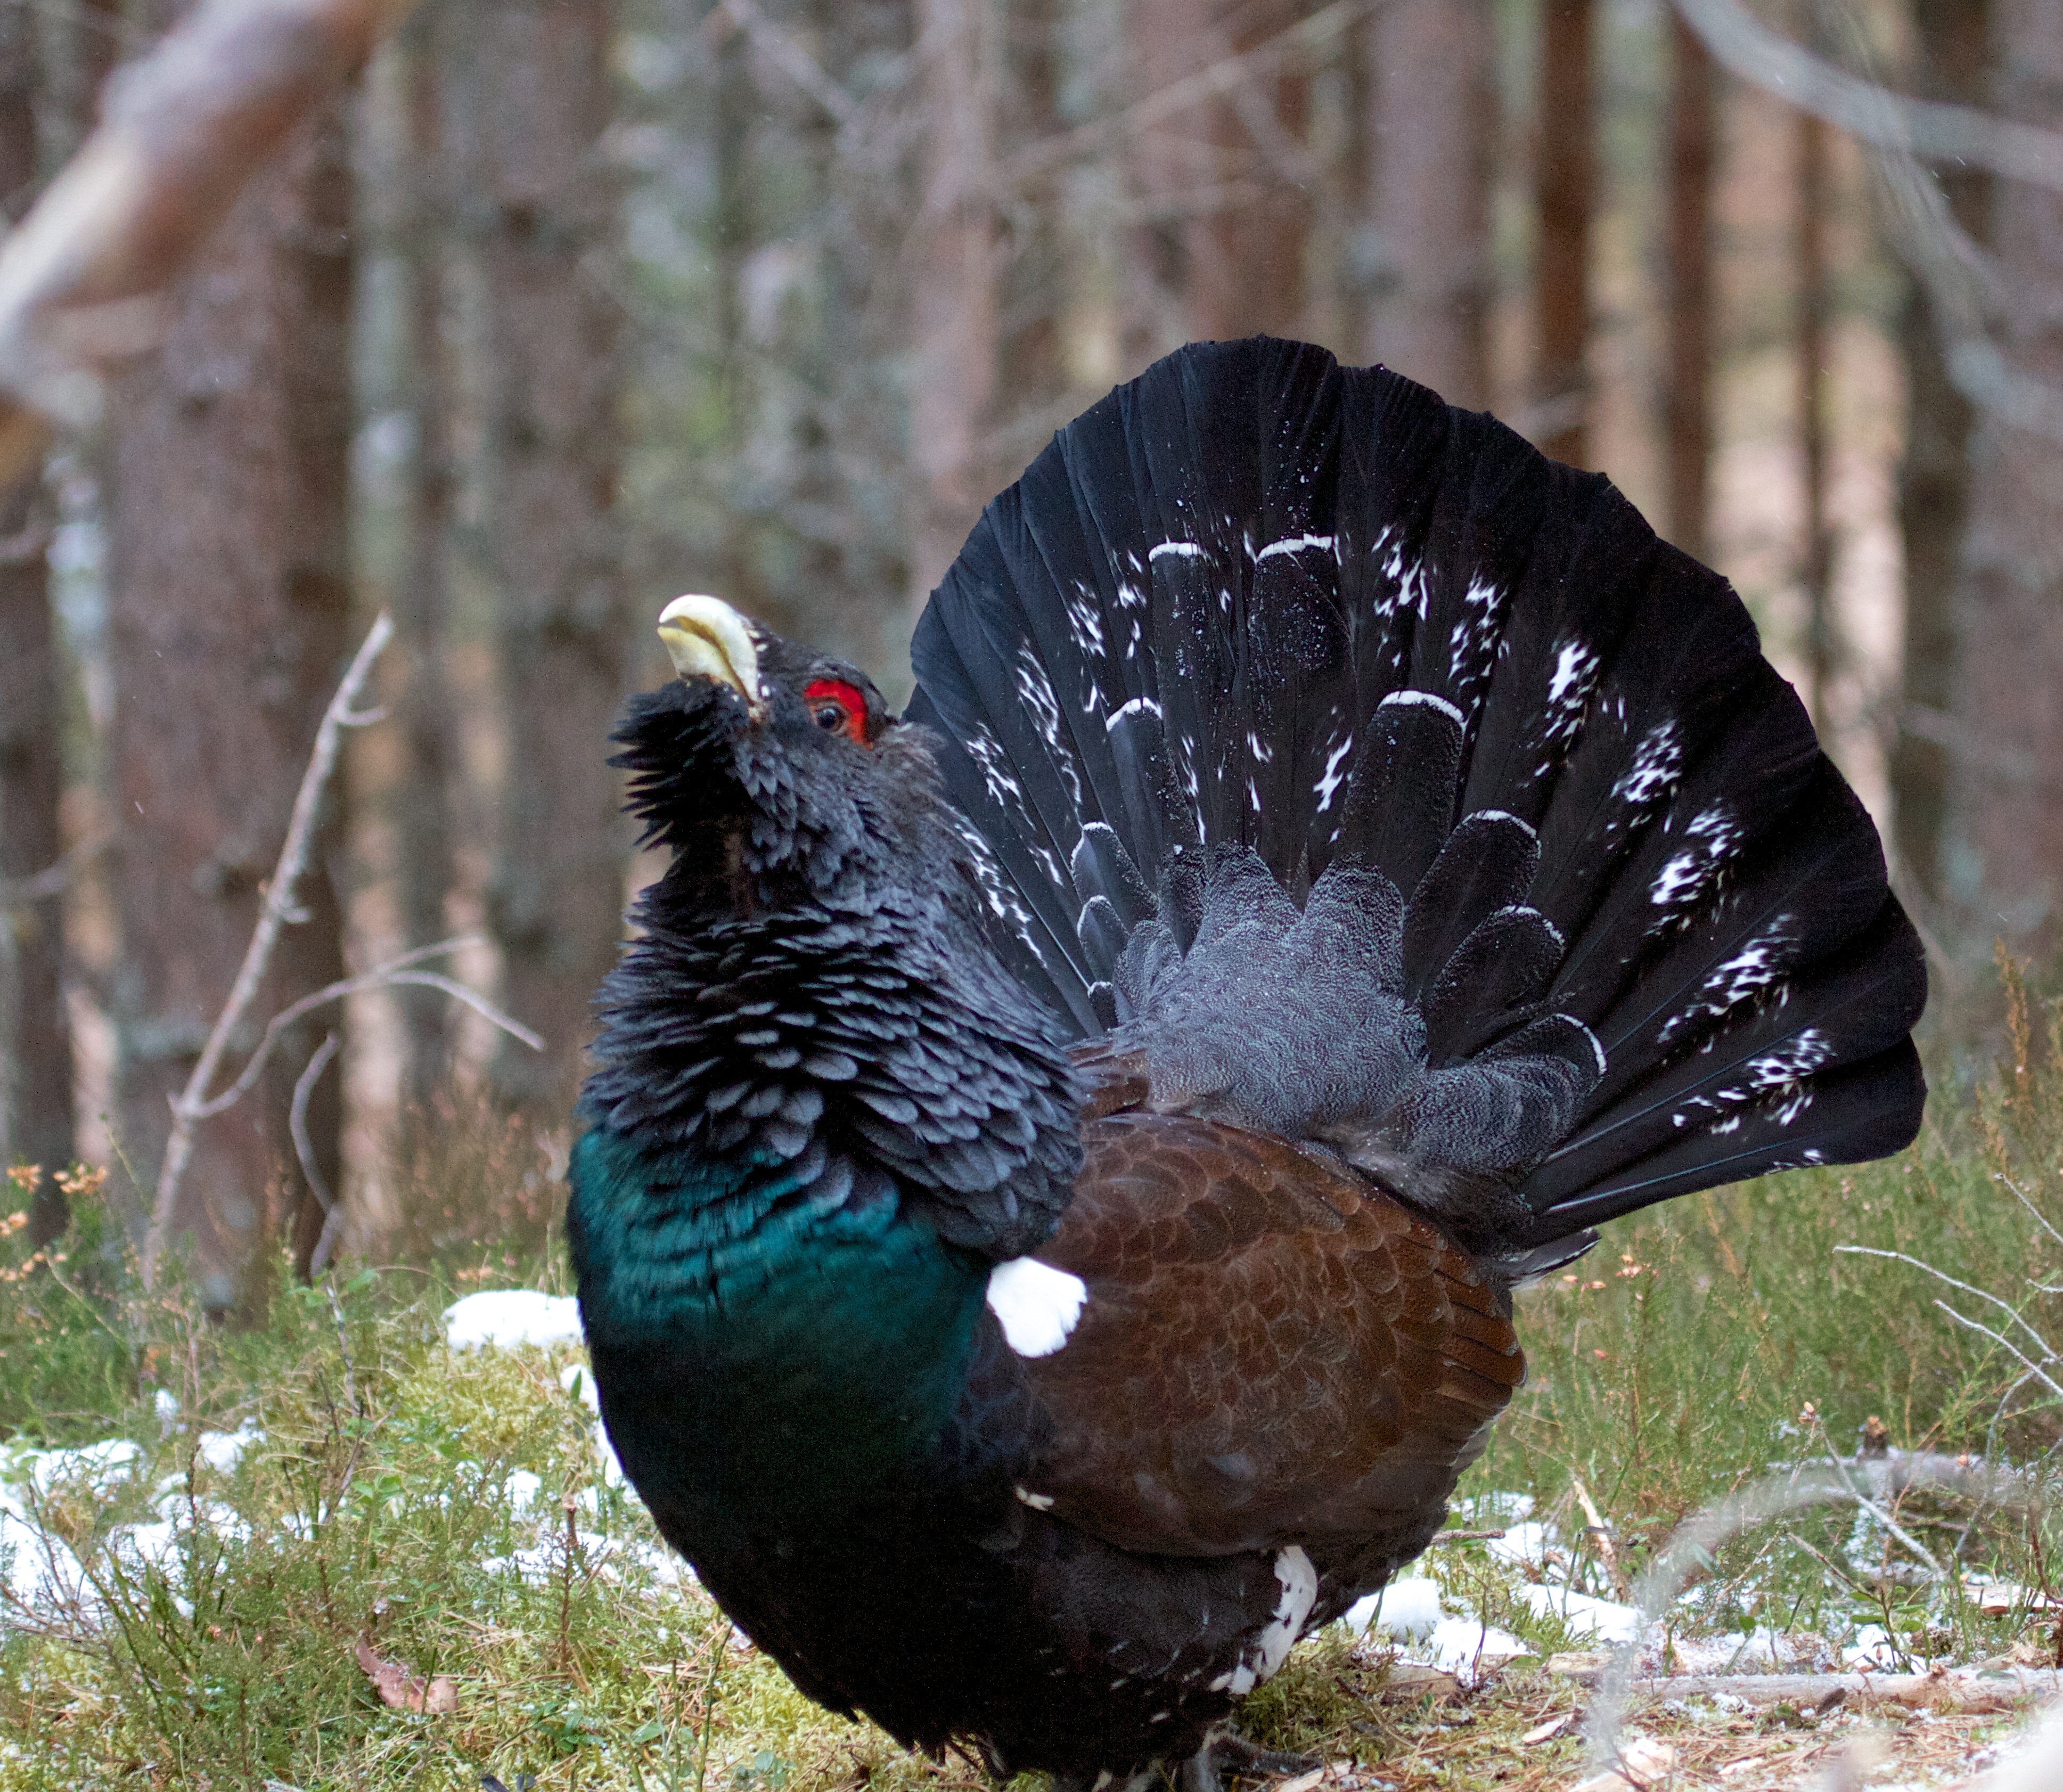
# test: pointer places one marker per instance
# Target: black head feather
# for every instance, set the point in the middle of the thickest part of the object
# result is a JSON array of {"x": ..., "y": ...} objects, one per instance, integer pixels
[{"x": 814, "y": 992}]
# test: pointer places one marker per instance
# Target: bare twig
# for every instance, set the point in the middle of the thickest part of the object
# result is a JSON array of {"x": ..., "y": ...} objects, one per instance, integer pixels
[
  {"x": 277, "y": 908},
  {"x": 185, "y": 127},
  {"x": 297, "y": 1125},
  {"x": 1220, "y": 78},
  {"x": 1745, "y": 46},
  {"x": 53, "y": 880},
  {"x": 1600, "y": 1533},
  {"x": 1940, "y": 1276},
  {"x": 792, "y": 59},
  {"x": 395, "y": 972}
]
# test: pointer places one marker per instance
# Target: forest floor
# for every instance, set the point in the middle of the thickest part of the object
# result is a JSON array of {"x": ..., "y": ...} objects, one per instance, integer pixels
[{"x": 375, "y": 1540}]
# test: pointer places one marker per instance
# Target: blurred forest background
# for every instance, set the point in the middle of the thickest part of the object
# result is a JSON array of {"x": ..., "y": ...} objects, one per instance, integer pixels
[{"x": 572, "y": 305}]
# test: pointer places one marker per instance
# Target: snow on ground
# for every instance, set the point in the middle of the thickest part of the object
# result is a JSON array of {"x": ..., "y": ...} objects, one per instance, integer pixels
[{"x": 511, "y": 1316}]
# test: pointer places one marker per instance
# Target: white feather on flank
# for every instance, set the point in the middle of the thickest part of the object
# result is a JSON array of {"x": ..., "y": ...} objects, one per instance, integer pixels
[
  {"x": 1037, "y": 1305},
  {"x": 1300, "y": 1591}
]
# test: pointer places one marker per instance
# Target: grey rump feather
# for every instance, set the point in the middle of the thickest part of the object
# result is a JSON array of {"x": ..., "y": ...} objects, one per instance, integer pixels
[{"x": 1296, "y": 1023}]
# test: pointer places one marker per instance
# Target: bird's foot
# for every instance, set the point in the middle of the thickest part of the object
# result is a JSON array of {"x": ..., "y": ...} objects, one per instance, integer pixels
[{"x": 1227, "y": 1755}]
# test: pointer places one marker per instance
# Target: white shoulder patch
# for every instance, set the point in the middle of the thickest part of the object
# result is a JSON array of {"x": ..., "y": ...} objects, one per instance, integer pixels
[{"x": 1036, "y": 1304}]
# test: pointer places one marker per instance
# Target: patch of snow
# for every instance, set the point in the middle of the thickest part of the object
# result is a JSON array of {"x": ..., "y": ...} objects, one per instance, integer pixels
[
  {"x": 1405, "y": 1608},
  {"x": 1523, "y": 1545},
  {"x": 222, "y": 1450},
  {"x": 504, "y": 1318},
  {"x": 523, "y": 1489},
  {"x": 1461, "y": 1645},
  {"x": 1602, "y": 1620}
]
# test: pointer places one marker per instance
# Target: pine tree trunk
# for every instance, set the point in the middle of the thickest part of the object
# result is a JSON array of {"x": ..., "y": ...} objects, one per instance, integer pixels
[
  {"x": 953, "y": 301},
  {"x": 1564, "y": 194},
  {"x": 424, "y": 822},
  {"x": 1431, "y": 133},
  {"x": 35, "y": 1041},
  {"x": 1687, "y": 400},
  {"x": 1811, "y": 348},
  {"x": 2009, "y": 612},
  {"x": 537, "y": 182},
  {"x": 228, "y": 624},
  {"x": 1934, "y": 479}
]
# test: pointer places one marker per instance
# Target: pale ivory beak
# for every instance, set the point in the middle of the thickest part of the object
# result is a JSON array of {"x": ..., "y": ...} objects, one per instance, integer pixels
[{"x": 705, "y": 638}]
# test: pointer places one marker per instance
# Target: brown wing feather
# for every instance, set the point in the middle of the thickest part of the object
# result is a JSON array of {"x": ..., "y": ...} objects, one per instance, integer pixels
[{"x": 1272, "y": 1351}]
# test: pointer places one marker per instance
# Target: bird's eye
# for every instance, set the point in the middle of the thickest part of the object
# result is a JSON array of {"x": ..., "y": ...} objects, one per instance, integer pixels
[{"x": 837, "y": 708}]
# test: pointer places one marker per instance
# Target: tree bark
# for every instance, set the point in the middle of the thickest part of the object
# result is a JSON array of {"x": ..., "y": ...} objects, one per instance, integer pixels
[
  {"x": 35, "y": 1041},
  {"x": 1222, "y": 254},
  {"x": 1430, "y": 136},
  {"x": 1810, "y": 349},
  {"x": 1687, "y": 400},
  {"x": 537, "y": 183},
  {"x": 423, "y": 823},
  {"x": 2006, "y": 793},
  {"x": 953, "y": 312},
  {"x": 1933, "y": 486},
  {"x": 228, "y": 621},
  {"x": 1564, "y": 183}
]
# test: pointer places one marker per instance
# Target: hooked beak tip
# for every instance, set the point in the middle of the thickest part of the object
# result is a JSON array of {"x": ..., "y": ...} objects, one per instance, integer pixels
[{"x": 705, "y": 638}]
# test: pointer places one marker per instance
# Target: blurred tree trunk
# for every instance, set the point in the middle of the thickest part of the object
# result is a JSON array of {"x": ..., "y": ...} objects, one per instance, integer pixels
[
  {"x": 1431, "y": 134},
  {"x": 228, "y": 622},
  {"x": 735, "y": 103},
  {"x": 538, "y": 184},
  {"x": 1032, "y": 277},
  {"x": 1687, "y": 400},
  {"x": 1933, "y": 489},
  {"x": 35, "y": 1041},
  {"x": 954, "y": 306},
  {"x": 1811, "y": 346},
  {"x": 1222, "y": 184},
  {"x": 1565, "y": 192},
  {"x": 2007, "y": 798},
  {"x": 423, "y": 823}
]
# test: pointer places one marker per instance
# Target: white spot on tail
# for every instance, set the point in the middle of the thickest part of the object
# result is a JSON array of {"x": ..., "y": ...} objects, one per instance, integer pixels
[
  {"x": 1181, "y": 550},
  {"x": 1327, "y": 786},
  {"x": 1428, "y": 699},
  {"x": 1294, "y": 544},
  {"x": 1036, "y": 1304}
]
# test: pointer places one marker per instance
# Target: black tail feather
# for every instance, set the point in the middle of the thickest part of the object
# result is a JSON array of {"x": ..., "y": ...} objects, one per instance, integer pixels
[{"x": 1255, "y": 601}]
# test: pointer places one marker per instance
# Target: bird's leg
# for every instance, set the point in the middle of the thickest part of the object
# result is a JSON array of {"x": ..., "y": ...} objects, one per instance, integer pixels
[{"x": 1229, "y": 1754}]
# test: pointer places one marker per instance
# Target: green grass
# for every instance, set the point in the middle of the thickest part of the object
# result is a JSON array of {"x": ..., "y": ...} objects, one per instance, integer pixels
[{"x": 378, "y": 1503}]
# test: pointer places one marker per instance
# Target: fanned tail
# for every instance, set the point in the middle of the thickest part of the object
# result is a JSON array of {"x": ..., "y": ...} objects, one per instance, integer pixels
[{"x": 1565, "y": 912}]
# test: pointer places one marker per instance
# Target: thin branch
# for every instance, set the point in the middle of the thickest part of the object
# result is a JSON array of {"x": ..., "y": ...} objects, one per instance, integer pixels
[
  {"x": 1881, "y": 1514},
  {"x": 297, "y": 1123},
  {"x": 2040, "y": 1218},
  {"x": 792, "y": 59},
  {"x": 1224, "y": 77},
  {"x": 53, "y": 880},
  {"x": 2039, "y": 1374},
  {"x": 2049, "y": 1354},
  {"x": 271, "y": 917},
  {"x": 1937, "y": 132},
  {"x": 395, "y": 972}
]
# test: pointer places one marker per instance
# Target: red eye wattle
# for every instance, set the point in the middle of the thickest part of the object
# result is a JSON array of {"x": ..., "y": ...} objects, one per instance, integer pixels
[{"x": 837, "y": 708}]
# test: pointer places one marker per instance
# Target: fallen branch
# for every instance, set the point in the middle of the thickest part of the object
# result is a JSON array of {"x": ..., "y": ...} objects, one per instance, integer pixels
[
  {"x": 186, "y": 126},
  {"x": 277, "y": 909},
  {"x": 1945, "y": 1689}
]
